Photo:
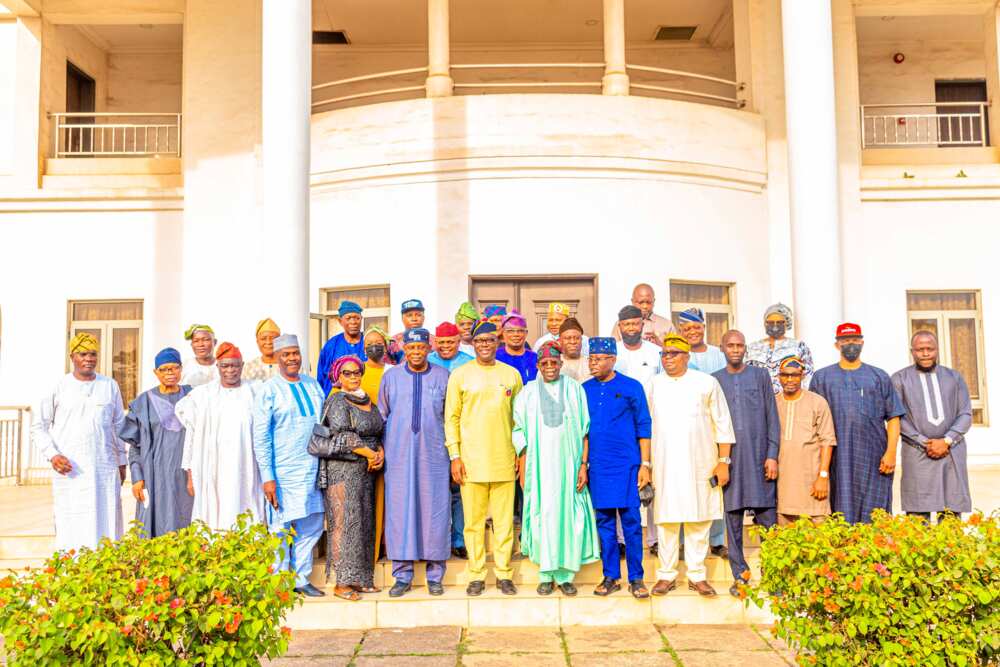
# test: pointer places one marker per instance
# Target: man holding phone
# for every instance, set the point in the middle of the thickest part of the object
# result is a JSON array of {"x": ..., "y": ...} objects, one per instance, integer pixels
[{"x": 692, "y": 438}]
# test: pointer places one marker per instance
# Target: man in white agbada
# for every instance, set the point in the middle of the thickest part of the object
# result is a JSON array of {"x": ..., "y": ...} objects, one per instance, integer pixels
[
  {"x": 692, "y": 438},
  {"x": 76, "y": 430},
  {"x": 218, "y": 445}
]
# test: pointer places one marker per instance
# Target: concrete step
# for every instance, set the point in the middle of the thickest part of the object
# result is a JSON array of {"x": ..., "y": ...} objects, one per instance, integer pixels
[
  {"x": 18, "y": 565},
  {"x": 527, "y": 609},
  {"x": 26, "y": 546},
  {"x": 526, "y": 572},
  {"x": 112, "y": 181}
]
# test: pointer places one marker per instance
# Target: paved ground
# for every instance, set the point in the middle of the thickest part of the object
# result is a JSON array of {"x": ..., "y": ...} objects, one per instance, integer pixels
[{"x": 631, "y": 646}]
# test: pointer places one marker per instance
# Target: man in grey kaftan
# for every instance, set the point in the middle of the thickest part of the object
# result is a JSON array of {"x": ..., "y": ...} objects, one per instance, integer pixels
[{"x": 935, "y": 475}]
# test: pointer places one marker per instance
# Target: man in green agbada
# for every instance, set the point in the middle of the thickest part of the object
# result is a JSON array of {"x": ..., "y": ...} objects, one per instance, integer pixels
[{"x": 558, "y": 530}]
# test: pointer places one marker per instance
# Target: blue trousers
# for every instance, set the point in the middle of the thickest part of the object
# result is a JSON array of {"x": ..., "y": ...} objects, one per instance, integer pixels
[
  {"x": 762, "y": 516},
  {"x": 402, "y": 570},
  {"x": 608, "y": 534},
  {"x": 299, "y": 558},
  {"x": 457, "y": 517},
  {"x": 717, "y": 533}
]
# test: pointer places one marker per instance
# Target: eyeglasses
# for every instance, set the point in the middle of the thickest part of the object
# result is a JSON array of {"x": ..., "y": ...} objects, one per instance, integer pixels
[
  {"x": 789, "y": 376},
  {"x": 484, "y": 341},
  {"x": 350, "y": 374},
  {"x": 671, "y": 354}
]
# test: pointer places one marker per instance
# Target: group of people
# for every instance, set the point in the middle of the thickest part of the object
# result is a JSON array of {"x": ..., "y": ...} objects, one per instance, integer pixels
[{"x": 599, "y": 447}]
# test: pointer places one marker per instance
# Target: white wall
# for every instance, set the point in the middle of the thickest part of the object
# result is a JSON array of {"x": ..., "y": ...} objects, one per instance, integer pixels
[
  {"x": 8, "y": 87},
  {"x": 884, "y": 82},
  {"x": 144, "y": 82}
]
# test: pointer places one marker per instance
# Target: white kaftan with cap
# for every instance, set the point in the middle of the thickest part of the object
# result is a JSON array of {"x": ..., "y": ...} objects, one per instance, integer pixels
[
  {"x": 218, "y": 450},
  {"x": 80, "y": 420},
  {"x": 690, "y": 416}
]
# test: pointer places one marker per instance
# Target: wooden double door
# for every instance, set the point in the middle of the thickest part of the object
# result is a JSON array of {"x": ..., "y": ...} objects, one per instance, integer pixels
[{"x": 531, "y": 295}]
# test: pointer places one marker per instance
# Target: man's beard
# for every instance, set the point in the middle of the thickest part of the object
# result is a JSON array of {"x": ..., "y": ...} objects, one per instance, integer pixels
[{"x": 928, "y": 369}]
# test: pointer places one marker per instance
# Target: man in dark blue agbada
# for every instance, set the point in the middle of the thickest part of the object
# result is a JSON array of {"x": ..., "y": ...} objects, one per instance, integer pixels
[
  {"x": 620, "y": 429},
  {"x": 866, "y": 411},
  {"x": 753, "y": 470}
]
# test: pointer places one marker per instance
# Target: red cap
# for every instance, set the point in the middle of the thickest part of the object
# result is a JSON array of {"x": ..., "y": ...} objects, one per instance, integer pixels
[
  {"x": 227, "y": 351},
  {"x": 446, "y": 330},
  {"x": 848, "y": 330}
]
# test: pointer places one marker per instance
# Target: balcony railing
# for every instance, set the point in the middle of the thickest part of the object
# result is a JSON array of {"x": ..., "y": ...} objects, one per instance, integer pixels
[
  {"x": 14, "y": 422},
  {"x": 718, "y": 90},
  {"x": 924, "y": 124},
  {"x": 116, "y": 134}
]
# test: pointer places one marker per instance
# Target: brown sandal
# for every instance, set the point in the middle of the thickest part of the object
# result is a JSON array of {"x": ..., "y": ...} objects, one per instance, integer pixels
[
  {"x": 346, "y": 593},
  {"x": 366, "y": 589},
  {"x": 607, "y": 587}
]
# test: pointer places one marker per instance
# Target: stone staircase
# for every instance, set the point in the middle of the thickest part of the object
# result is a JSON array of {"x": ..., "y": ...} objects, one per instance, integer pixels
[{"x": 527, "y": 609}]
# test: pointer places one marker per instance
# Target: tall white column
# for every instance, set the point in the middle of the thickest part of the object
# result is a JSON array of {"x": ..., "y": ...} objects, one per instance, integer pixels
[
  {"x": 439, "y": 82},
  {"x": 615, "y": 81},
  {"x": 286, "y": 92},
  {"x": 810, "y": 116}
]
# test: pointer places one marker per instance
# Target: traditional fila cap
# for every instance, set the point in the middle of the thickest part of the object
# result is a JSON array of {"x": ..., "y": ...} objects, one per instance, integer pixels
[{"x": 849, "y": 330}]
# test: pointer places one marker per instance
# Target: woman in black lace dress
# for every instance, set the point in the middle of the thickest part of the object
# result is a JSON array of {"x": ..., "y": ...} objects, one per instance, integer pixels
[{"x": 348, "y": 442}]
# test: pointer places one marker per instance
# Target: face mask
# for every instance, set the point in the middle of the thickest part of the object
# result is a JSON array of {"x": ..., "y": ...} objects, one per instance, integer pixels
[
  {"x": 775, "y": 329},
  {"x": 375, "y": 352},
  {"x": 851, "y": 351},
  {"x": 631, "y": 339}
]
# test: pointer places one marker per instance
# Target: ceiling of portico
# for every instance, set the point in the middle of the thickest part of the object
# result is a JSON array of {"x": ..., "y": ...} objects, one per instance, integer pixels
[
  {"x": 952, "y": 28},
  {"x": 388, "y": 22},
  {"x": 144, "y": 37}
]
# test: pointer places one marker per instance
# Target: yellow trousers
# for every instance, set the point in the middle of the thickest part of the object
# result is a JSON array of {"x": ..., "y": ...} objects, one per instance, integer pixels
[{"x": 497, "y": 498}]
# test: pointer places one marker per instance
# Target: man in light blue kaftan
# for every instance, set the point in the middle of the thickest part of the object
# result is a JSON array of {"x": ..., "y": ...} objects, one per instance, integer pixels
[{"x": 287, "y": 408}]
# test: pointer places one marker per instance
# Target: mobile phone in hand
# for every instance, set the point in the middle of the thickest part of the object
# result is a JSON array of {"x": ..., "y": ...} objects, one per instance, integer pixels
[{"x": 713, "y": 481}]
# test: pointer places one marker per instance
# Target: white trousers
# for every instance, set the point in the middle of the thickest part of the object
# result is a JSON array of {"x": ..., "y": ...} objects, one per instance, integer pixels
[
  {"x": 695, "y": 549},
  {"x": 648, "y": 527}
]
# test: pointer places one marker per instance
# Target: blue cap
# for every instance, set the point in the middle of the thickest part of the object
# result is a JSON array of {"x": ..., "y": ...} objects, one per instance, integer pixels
[
  {"x": 411, "y": 304},
  {"x": 693, "y": 314},
  {"x": 603, "y": 346},
  {"x": 167, "y": 355},
  {"x": 419, "y": 335},
  {"x": 348, "y": 307}
]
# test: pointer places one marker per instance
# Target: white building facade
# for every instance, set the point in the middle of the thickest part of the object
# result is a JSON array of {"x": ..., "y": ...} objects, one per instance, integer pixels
[{"x": 164, "y": 162}]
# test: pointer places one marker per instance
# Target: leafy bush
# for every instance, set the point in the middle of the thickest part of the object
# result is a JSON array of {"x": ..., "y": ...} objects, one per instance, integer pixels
[
  {"x": 193, "y": 597},
  {"x": 893, "y": 592}
]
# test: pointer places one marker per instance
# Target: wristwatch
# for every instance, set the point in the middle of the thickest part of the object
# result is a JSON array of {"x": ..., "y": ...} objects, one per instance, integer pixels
[
  {"x": 948, "y": 441},
  {"x": 647, "y": 464},
  {"x": 725, "y": 459},
  {"x": 824, "y": 474},
  {"x": 454, "y": 456}
]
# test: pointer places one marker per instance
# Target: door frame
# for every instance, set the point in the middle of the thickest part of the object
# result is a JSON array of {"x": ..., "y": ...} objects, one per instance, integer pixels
[{"x": 541, "y": 277}]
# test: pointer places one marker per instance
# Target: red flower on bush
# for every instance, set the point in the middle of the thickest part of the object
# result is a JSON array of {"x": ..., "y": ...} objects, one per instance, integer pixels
[
  {"x": 286, "y": 631},
  {"x": 126, "y": 630},
  {"x": 163, "y": 582},
  {"x": 6, "y": 582},
  {"x": 177, "y": 603},
  {"x": 856, "y": 584},
  {"x": 881, "y": 569},
  {"x": 140, "y": 585},
  {"x": 283, "y": 596},
  {"x": 161, "y": 597},
  {"x": 152, "y": 618}
]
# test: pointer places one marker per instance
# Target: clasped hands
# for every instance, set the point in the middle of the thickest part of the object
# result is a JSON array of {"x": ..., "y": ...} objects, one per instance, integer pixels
[{"x": 376, "y": 459}]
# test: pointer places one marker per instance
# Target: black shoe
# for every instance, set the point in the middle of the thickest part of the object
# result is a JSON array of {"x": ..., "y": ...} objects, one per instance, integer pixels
[
  {"x": 545, "y": 588},
  {"x": 654, "y": 550},
  {"x": 507, "y": 587},
  {"x": 680, "y": 553},
  {"x": 621, "y": 550},
  {"x": 721, "y": 551},
  {"x": 734, "y": 590},
  {"x": 434, "y": 588},
  {"x": 399, "y": 588},
  {"x": 475, "y": 587},
  {"x": 568, "y": 588},
  {"x": 310, "y": 590},
  {"x": 460, "y": 552},
  {"x": 609, "y": 585}
]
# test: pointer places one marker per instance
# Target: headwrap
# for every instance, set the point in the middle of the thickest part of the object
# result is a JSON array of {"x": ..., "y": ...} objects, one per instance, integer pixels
[
  {"x": 189, "y": 334},
  {"x": 227, "y": 351},
  {"x": 348, "y": 307},
  {"x": 167, "y": 355},
  {"x": 418, "y": 335},
  {"x": 556, "y": 308},
  {"x": 629, "y": 313},
  {"x": 467, "y": 312},
  {"x": 338, "y": 366},
  {"x": 494, "y": 311},
  {"x": 376, "y": 329},
  {"x": 411, "y": 304},
  {"x": 678, "y": 341},
  {"x": 83, "y": 342},
  {"x": 267, "y": 324},
  {"x": 549, "y": 350},
  {"x": 515, "y": 319},
  {"x": 792, "y": 361},
  {"x": 446, "y": 330},
  {"x": 693, "y": 314},
  {"x": 285, "y": 340},
  {"x": 483, "y": 327},
  {"x": 571, "y": 323},
  {"x": 601, "y": 345},
  {"x": 782, "y": 310}
]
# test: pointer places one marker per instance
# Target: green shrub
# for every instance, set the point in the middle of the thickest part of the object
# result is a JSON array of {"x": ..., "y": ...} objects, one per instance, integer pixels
[
  {"x": 893, "y": 592},
  {"x": 193, "y": 597}
]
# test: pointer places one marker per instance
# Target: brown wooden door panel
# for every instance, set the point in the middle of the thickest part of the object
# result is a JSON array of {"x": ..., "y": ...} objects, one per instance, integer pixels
[{"x": 531, "y": 295}]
